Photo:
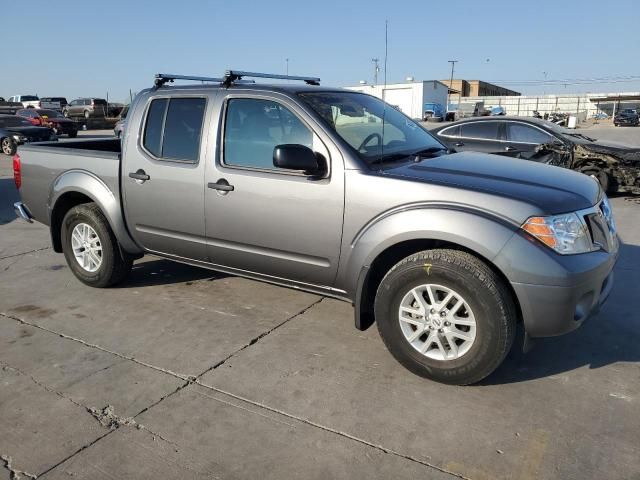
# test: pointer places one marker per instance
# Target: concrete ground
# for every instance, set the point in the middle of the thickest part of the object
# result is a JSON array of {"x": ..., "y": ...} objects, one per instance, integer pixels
[{"x": 186, "y": 373}]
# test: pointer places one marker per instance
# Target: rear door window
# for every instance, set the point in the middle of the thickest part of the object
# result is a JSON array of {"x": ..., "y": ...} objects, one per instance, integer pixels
[
  {"x": 522, "y": 133},
  {"x": 480, "y": 130},
  {"x": 173, "y": 128}
]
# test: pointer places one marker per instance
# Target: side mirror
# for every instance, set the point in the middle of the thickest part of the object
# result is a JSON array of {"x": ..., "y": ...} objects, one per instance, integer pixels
[{"x": 295, "y": 157}]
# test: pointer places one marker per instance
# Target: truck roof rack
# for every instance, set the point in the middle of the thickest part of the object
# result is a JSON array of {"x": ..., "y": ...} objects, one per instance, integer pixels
[
  {"x": 233, "y": 76},
  {"x": 162, "y": 78},
  {"x": 230, "y": 77}
]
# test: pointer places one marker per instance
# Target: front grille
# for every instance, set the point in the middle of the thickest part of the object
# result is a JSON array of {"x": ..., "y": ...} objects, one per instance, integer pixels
[{"x": 601, "y": 225}]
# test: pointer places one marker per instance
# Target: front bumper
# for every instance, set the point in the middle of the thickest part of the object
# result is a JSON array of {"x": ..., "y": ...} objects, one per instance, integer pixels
[
  {"x": 550, "y": 310},
  {"x": 556, "y": 293},
  {"x": 22, "y": 212}
]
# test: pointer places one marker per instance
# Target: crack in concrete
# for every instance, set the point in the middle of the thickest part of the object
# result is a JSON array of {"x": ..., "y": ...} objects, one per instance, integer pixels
[
  {"x": 190, "y": 379},
  {"x": 255, "y": 340},
  {"x": 97, "y": 347},
  {"x": 106, "y": 416},
  {"x": 333, "y": 430},
  {"x": 25, "y": 253},
  {"x": 14, "y": 473}
]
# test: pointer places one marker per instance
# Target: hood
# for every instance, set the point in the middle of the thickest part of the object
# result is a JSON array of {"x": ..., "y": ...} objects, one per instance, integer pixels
[
  {"x": 622, "y": 151},
  {"x": 551, "y": 189}
]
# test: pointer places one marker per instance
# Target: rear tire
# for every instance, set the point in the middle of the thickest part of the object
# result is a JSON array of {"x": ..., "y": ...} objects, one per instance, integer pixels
[
  {"x": 73, "y": 134},
  {"x": 104, "y": 267},
  {"x": 464, "y": 352}
]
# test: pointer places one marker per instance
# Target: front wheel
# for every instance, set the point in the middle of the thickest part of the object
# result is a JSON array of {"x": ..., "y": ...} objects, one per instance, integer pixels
[
  {"x": 91, "y": 248},
  {"x": 445, "y": 315},
  {"x": 8, "y": 146}
]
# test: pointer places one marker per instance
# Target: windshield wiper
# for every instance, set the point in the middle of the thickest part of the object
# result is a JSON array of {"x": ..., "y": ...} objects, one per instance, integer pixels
[
  {"x": 415, "y": 156},
  {"x": 425, "y": 152}
]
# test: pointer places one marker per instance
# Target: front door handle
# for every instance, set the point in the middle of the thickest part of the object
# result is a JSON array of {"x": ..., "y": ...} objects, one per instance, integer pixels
[
  {"x": 509, "y": 149},
  {"x": 221, "y": 185},
  {"x": 139, "y": 175},
  {"x": 459, "y": 144}
]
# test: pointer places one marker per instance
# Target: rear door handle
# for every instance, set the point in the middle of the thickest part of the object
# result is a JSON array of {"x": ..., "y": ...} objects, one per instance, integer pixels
[
  {"x": 139, "y": 175},
  {"x": 221, "y": 185},
  {"x": 459, "y": 144},
  {"x": 509, "y": 149}
]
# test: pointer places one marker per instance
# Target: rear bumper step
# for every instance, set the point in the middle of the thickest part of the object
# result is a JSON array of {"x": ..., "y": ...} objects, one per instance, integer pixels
[{"x": 23, "y": 212}]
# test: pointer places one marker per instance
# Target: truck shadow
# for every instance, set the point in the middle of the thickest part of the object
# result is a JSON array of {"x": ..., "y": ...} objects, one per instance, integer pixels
[
  {"x": 610, "y": 337},
  {"x": 8, "y": 196},
  {"x": 165, "y": 272}
]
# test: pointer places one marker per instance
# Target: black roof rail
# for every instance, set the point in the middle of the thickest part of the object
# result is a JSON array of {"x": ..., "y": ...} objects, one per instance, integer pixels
[
  {"x": 162, "y": 78},
  {"x": 233, "y": 76}
]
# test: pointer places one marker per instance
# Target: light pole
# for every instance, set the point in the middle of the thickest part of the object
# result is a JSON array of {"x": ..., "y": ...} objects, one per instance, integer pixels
[
  {"x": 287, "y": 62},
  {"x": 453, "y": 65}
]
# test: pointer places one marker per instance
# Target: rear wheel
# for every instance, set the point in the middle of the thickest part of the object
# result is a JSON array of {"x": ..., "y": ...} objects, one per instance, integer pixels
[
  {"x": 91, "y": 248},
  {"x": 73, "y": 134},
  {"x": 445, "y": 315},
  {"x": 9, "y": 147}
]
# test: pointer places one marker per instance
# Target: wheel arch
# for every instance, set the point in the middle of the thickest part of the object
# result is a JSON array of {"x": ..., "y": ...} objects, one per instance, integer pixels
[
  {"x": 76, "y": 187},
  {"x": 482, "y": 237}
]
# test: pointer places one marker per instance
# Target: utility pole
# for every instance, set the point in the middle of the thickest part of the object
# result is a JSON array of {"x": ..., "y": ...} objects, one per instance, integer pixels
[
  {"x": 453, "y": 65},
  {"x": 376, "y": 69},
  {"x": 287, "y": 60}
]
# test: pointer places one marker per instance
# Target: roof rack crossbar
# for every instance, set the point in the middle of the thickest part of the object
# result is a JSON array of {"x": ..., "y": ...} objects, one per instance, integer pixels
[
  {"x": 162, "y": 78},
  {"x": 232, "y": 76}
]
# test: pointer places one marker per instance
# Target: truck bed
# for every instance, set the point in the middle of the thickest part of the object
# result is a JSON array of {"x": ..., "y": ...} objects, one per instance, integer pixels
[{"x": 43, "y": 163}]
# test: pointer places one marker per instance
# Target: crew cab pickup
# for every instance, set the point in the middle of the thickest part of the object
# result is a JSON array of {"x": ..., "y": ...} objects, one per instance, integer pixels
[{"x": 337, "y": 193}]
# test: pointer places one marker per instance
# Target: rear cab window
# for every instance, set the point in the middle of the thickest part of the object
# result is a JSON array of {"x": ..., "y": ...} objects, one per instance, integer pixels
[{"x": 173, "y": 128}]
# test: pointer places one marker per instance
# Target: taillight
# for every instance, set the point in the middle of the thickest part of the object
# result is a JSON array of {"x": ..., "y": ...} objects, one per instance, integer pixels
[{"x": 17, "y": 171}]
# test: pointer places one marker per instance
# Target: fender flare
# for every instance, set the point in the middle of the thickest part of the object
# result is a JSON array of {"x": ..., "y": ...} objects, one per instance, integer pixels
[
  {"x": 88, "y": 184},
  {"x": 480, "y": 232}
]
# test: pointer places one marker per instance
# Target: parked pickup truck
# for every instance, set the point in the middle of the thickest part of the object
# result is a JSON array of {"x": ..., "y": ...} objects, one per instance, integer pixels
[{"x": 301, "y": 186}]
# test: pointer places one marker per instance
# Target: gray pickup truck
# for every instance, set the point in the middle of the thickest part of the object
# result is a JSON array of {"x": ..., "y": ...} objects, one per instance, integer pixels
[{"x": 336, "y": 193}]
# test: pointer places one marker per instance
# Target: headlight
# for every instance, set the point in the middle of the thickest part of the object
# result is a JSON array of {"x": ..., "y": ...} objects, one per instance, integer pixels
[{"x": 565, "y": 233}]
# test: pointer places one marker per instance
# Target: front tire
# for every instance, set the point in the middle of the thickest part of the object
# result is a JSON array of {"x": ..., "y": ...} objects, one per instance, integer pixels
[
  {"x": 9, "y": 147},
  {"x": 445, "y": 315},
  {"x": 91, "y": 248}
]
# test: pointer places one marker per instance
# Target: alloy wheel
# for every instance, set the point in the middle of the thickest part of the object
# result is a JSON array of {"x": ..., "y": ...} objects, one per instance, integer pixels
[{"x": 437, "y": 322}]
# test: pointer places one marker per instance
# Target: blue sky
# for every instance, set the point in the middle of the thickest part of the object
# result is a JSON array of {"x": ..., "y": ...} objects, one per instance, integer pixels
[{"x": 89, "y": 47}]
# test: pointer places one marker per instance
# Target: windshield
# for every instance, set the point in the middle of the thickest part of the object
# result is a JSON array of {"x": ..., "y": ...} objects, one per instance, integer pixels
[
  {"x": 11, "y": 121},
  {"x": 357, "y": 118}
]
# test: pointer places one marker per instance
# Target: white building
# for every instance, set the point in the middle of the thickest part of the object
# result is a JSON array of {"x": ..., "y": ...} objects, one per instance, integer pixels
[{"x": 409, "y": 97}]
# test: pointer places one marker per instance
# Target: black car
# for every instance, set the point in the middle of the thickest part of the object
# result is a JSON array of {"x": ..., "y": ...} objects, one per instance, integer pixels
[
  {"x": 52, "y": 119},
  {"x": 616, "y": 167},
  {"x": 626, "y": 117},
  {"x": 15, "y": 131}
]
